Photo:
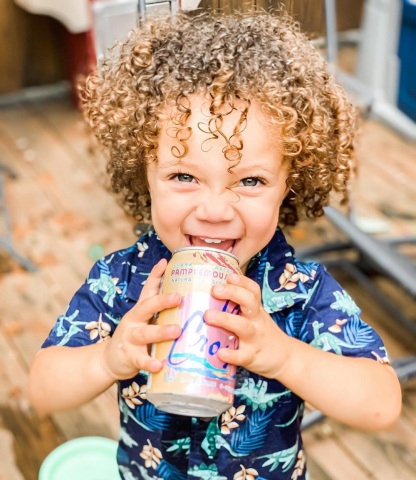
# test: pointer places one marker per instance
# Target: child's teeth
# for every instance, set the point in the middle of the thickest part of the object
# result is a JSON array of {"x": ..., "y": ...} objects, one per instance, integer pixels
[{"x": 211, "y": 240}]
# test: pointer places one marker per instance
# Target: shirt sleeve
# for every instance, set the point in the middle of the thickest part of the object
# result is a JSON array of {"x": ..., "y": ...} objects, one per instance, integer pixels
[
  {"x": 94, "y": 311},
  {"x": 333, "y": 322}
]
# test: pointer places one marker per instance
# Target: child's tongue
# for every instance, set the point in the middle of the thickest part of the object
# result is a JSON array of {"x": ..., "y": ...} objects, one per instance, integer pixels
[{"x": 223, "y": 245}]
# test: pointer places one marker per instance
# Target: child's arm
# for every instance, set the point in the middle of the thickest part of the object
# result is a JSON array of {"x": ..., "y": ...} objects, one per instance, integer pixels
[
  {"x": 66, "y": 377},
  {"x": 357, "y": 391}
]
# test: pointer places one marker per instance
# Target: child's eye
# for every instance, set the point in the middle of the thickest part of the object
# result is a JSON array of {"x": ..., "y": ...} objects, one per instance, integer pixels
[
  {"x": 251, "y": 182},
  {"x": 183, "y": 177}
]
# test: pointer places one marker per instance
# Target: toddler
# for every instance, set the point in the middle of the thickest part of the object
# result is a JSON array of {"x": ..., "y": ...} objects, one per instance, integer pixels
[{"x": 221, "y": 131}]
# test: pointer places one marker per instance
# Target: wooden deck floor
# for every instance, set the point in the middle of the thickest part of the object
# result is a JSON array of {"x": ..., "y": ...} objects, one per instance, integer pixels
[{"x": 63, "y": 219}]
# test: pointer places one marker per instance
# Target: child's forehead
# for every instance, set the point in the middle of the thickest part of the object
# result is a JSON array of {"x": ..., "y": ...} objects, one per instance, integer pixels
[
  {"x": 199, "y": 109},
  {"x": 236, "y": 131}
]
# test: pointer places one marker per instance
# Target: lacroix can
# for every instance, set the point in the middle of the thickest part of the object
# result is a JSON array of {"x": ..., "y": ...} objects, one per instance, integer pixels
[{"x": 193, "y": 380}]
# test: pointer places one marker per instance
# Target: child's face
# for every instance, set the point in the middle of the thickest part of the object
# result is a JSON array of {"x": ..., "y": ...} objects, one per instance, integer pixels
[{"x": 196, "y": 201}]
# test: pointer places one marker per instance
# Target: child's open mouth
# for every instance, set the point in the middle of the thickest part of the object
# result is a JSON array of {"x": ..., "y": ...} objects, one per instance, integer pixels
[{"x": 226, "y": 245}]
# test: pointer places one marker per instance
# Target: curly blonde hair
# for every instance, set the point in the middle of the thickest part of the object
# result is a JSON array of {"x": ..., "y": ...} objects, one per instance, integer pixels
[{"x": 234, "y": 58}]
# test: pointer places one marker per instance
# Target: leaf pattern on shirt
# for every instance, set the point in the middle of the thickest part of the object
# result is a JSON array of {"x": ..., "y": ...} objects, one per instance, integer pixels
[
  {"x": 328, "y": 341},
  {"x": 167, "y": 471},
  {"x": 246, "y": 474},
  {"x": 256, "y": 394},
  {"x": 252, "y": 435},
  {"x": 105, "y": 283},
  {"x": 144, "y": 475},
  {"x": 213, "y": 440},
  {"x": 179, "y": 446},
  {"x": 99, "y": 329},
  {"x": 147, "y": 416},
  {"x": 344, "y": 303},
  {"x": 151, "y": 455},
  {"x": 134, "y": 394},
  {"x": 282, "y": 297},
  {"x": 231, "y": 417},
  {"x": 259, "y": 436},
  {"x": 286, "y": 457},
  {"x": 206, "y": 472}
]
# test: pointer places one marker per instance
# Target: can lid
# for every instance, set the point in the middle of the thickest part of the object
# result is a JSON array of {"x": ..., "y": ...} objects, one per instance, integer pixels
[{"x": 206, "y": 249}]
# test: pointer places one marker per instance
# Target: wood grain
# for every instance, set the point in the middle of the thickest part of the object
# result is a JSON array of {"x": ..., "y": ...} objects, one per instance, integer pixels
[{"x": 62, "y": 215}]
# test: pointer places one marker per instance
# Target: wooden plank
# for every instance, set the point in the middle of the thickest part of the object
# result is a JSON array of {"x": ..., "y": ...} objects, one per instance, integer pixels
[
  {"x": 397, "y": 339},
  {"x": 32, "y": 437},
  {"x": 25, "y": 317},
  {"x": 51, "y": 163},
  {"x": 59, "y": 236},
  {"x": 82, "y": 228},
  {"x": 30, "y": 50},
  {"x": 392, "y": 451},
  {"x": 8, "y": 468},
  {"x": 11, "y": 47},
  {"x": 98, "y": 417},
  {"x": 42, "y": 434},
  {"x": 71, "y": 130},
  {"x": 385, "y": 164},
  {"x": 51, "y": 235},
  {"x": 315, "y": 471},
  {"x": 384, "y": 453},
  {"x": 409, "y": 404},
  {"x": 330, "y": 457}
]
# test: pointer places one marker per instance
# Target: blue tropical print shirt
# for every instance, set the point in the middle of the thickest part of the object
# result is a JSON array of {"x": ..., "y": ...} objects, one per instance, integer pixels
[{"x": 259, "y": 437}]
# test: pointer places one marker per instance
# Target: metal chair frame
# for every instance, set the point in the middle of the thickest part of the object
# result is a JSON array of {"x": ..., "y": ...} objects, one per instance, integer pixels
[{"x": 375, "y": 256}]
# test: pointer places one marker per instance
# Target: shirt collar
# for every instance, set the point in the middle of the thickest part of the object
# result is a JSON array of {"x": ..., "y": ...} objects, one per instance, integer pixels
[
  {"x": 266, "y": 268},
  {"x": 150, "y": 250}
]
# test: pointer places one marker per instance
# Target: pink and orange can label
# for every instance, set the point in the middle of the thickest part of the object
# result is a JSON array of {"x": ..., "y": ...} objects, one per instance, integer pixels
[{"x": 193, "y": 380}]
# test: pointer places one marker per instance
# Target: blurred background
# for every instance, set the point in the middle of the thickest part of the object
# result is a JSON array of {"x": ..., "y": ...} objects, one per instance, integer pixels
[
  {"x": 42, "y": 44},
  {"x": 57, "y": 218}
]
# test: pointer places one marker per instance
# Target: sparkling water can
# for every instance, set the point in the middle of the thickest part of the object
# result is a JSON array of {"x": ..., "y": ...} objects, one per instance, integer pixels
[{"x": 193, "y": 380}]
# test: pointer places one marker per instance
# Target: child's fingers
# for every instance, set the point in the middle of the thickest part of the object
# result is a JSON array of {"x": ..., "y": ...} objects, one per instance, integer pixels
[
  {"x": 145, "y": 309},
  {"x": 149, "y": 364},
  {"x": 149, "y": 334},
  {"x": 233, "y": 357},
  {"x": 240, "y": 290},
  {"x": 243, "y": 281},
  {"x": 152, "y": 285},
  {"x": 129, "y": 351},
  {"x": 241, "y": 326}
]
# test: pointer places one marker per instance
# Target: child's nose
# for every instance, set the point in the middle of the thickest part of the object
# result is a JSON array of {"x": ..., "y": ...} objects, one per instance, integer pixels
[{"x": 215, "y": 207}]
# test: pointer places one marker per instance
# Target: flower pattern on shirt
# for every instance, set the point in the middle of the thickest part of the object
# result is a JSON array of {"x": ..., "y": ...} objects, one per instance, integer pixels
[{"x": 258, "y": 437}]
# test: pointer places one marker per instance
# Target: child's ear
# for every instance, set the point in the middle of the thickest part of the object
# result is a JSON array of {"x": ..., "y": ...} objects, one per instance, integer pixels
[
  {"x": 287, "y": 190},
  {"x": 146, "y": 180}
]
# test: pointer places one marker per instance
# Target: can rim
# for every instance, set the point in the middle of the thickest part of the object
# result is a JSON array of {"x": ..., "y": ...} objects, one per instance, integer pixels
[{"x": 208, "y": 249}]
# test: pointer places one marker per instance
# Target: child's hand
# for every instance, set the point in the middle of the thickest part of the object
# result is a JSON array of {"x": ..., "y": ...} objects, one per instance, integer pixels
[
  {"x": 262, "y": 346},
  {"x": 128, "y": 350},
  {"x": 352, "y": 386}
]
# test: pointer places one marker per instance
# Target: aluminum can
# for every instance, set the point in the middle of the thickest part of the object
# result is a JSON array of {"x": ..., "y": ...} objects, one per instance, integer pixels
[{"x": 193, "y": 380}]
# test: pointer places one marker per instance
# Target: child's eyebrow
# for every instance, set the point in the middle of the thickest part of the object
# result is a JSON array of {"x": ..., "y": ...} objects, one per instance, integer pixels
[
  {"x": 250, "y": 168},
  {"x": 169, "y": 164}
]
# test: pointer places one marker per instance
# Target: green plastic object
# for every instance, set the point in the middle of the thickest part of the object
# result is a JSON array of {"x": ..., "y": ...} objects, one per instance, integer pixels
[{"x": 84, "y": 458}]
